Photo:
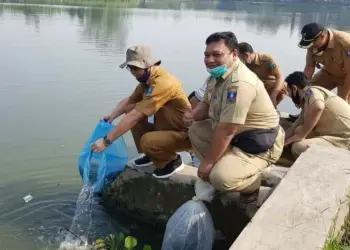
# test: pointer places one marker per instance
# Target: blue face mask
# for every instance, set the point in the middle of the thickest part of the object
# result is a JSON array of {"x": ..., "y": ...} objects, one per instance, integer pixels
[{"x": 218, "y": 71}]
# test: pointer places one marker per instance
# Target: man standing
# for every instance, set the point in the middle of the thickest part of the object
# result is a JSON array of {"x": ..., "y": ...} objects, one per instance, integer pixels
[
  {"x": 329, "y": 50},
  {"x": 324, "y": 119},
  {"x": 236, "y": 132},
  {"x": 266, "y": 68},
  {"x": 158, "y": 94}
]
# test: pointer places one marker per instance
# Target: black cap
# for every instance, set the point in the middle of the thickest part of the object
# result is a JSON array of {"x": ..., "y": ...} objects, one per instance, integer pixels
[{"x": 309, "y": 34}]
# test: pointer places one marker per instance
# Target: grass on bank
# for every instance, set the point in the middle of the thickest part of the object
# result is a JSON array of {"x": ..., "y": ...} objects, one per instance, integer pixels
[{"x": 339, "y": 240}]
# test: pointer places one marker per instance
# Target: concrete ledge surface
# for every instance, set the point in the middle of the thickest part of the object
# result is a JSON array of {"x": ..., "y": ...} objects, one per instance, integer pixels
[{"x": 301, "y": 210}]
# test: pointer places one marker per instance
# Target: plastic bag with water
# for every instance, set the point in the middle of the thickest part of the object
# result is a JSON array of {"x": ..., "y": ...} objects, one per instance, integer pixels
[
  {"x": 191, "y": 226},
  {"x": 100, "y": 169}
]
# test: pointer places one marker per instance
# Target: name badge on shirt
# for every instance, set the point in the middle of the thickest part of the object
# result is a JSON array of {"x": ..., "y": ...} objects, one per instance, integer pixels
[{"x": 151, "y": 119}]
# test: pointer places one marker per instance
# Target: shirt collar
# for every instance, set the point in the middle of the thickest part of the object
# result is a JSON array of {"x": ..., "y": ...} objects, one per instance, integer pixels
[{"x": 234, "y": 67}]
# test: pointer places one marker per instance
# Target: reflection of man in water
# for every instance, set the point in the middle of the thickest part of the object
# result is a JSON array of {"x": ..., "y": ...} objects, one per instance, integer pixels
[
  {"x": 158, "y": 94},
  {"x": 324, "y": 119},
  {"x": 331, "y": 49}
]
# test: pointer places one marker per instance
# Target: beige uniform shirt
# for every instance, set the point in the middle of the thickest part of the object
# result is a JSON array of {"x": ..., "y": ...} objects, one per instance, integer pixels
[
  {"x": 240, "y": 97},
  {"x": 334, "y": 123},
  {"x": 164, "y": 97},
  {"x": 336, "y": 58},
  {"x": 266, "y": 68}
]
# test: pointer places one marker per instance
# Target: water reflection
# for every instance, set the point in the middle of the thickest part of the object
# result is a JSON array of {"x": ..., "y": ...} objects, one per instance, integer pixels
[
  {"x": 107, "y": 27},
  {"x": 103, "y": 26}
]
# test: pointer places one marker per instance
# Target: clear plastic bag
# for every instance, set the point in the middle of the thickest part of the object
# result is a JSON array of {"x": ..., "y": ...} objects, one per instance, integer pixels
[
  {"x": 191, "y": 226},
  {"x": 204, "y": 191},
  {"x": 100, "y": 169}
]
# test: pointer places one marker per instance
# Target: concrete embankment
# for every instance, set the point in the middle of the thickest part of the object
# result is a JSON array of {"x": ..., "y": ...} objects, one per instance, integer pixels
[{"x": 308, "y": 202}]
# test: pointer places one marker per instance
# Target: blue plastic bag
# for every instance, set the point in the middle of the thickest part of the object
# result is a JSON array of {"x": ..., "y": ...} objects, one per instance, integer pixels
[{"x": 100, "y": 169}]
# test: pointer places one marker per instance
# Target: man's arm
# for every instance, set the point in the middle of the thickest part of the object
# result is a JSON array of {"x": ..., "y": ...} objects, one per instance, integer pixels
[
  {"x": 346, "y": 57},
  {"x": 201, "y": 112},
  {"x": 127, "y": 122},
  {"x": 297, "y": 123},
  {"x": 275, "y": 70},
  {"x": 135, "y": 97},
  {"x": 194, "y": 101},
  {"x": 309, "y": 69},
  {"x": 346, "y": 90},
  {"x": 233, "y": 115},
  {"x": 312, "y": 116},
  {"x": 120, "y": 109}
]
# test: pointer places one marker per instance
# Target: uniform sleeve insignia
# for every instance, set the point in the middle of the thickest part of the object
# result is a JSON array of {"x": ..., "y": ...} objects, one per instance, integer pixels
[
  {"x": 347, "y": 53},
  {"x": 231, "y": 96},
  {"x": 272, "y": 65},
  {"x": 149, "y": 91},
  {"x": 309, "y": 92}
]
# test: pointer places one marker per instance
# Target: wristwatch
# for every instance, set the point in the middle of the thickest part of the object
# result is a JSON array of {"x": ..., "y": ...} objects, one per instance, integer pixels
[{"x": 107, "y": 141}]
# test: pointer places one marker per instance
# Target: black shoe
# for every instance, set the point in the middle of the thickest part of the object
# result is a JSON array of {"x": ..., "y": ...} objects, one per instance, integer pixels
[
  {"x": 170, "y": 169},
  {"x": 143, "y": 161}
]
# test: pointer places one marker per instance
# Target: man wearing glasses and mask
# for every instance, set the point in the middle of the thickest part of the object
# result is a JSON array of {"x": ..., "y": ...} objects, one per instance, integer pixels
[
  {"x": 159, "y": 95},
  {"x": 328, "y": 50}
]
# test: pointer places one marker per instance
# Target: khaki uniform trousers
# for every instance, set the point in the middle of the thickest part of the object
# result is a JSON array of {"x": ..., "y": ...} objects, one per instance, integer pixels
[
  {"x": 299, "y": 147},
  {"x": 159, "y": 146},
  {"x": 235, "y": 171},
  {"x": 324, "y": 79}
]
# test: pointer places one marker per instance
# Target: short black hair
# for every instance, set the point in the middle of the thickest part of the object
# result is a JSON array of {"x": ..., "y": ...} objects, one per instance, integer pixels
[
  {"x": 227, "y": 36},
  {"x": 244, "y": 47},
  {"x": 298, "y": 79}
]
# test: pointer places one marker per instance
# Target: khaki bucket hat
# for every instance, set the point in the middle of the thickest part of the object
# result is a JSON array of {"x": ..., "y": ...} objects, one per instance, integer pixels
[{"x": 139, "y": 56}]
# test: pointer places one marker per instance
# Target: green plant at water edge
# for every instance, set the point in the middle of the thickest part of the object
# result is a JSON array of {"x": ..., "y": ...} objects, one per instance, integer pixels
[
  {"x": 118, "y": 242},
  {"x": 339, "y": 240}
]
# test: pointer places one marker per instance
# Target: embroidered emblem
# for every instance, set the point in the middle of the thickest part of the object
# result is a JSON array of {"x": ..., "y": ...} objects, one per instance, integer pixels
[
  {"x": 231, "y": 96},
  {"x": 309, "y": 92}
]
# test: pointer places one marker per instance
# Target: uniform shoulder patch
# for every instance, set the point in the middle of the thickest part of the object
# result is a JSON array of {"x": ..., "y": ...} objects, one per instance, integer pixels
[
  {"x": 148, "y": 91},
  {"x": 271, "y": 65},
  {"x": 309, "y": 92},
  {"x": 231, "y": 95}
]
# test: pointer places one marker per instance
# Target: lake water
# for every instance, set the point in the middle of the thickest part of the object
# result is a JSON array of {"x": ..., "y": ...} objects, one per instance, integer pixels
[{"x": 59, "y": 74}]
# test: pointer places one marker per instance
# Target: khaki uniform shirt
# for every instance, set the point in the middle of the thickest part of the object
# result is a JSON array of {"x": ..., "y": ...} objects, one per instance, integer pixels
[
  {"x": 240, "y": 97},
  {"x": 266, "y": 68},
  {"x": 335, "y": 119},
  {"x": 336, "y": 58},
  {"x": 164, "y": 97}
]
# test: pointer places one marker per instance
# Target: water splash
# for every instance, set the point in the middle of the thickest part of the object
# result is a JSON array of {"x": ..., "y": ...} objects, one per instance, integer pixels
[{"x": 78, "y": 234}]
